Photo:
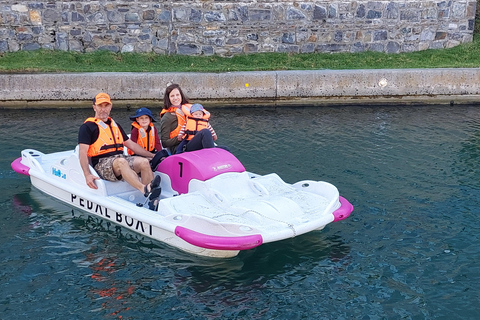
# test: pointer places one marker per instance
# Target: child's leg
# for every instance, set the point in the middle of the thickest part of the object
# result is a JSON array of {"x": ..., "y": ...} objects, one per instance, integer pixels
[
  {"x": 180, "y": 146},
  {"x": 202, "y": 139}
]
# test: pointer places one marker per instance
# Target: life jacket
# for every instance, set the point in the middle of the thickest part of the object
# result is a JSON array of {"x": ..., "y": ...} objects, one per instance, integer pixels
[
  {"x": 195, "y": 124},
  {"x": 180, "y": 117},
  {"x": 145, "y": 140},
  {"x": 109, "y": 141}
]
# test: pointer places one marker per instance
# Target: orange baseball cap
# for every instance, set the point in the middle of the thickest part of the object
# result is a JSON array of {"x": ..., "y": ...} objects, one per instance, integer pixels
[{"x": 101, "y": 98}]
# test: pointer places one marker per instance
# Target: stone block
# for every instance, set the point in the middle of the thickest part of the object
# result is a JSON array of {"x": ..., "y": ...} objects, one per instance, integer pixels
[
  {"x": 35, "y": 17},
  {"x": 207, "y": 50},
  {"x": 75, "y": 45},
  {"x": 373, "y": 14},
  {"x": 288, "y": 38},
  {"x": 188, "y": 49},
  {"x": 319, "y": 13},
  {"x": 260, "y": 15},
  {"x": 52, "y": 16},
  {"x": 164, "y": 16},
  {"x": 13, "y": 45},
  {"x": 35, "y": 5},
  {"x": 75, "y": 32},
  {"x": 334, "y": 48},
  {"x": 30, "y": 46},
  {"x": 37, "y": 30},
  {"x": 288, "y": 48},
  {"x": 196, "y": 16},
  {"x": 252, "y": 36},
  {"x": 392, "y": 47},
  {"x": 181, "y": 14},
  {"x": 361, "y": 11},
  {"x": 235, "y": 50},
  {"x": 358, "y": 47},
  {"x": 61, "y": 41},
  {"x": 212, "y": 16},
  {"x": 333, "y": 12},
  {"x": 132, "y": 17},
  {"x": 338, "y": 36},
  {"x": 143, "y": 47},
  {"x": 19, "y": 8},
  {"x": 148, "y": 15},
  {"x": 112, "y": 48},
  {"x": 440, "y": 35},
  {"x": 144, "y": 37},
  {"x": 233, "y": 41},
  {"x": 380, "y": 35},
  {"x": 77, "y": 17},
  {"x": 250, "y": 48},
  {"x": 307, "y": 48},
  {"x": 242, "y": 13},
  {"x": 295, "y": 14},
  {"x": 409, "y": 47},
  {"x": 24, "y": 37},
  {"x": 115, "y": 16},
  {"x": 3, "y": 46},
  {"x": 427, "y": 35},
  {"x": 162, "y": 44},
  {"x": 97, "y": 18}
]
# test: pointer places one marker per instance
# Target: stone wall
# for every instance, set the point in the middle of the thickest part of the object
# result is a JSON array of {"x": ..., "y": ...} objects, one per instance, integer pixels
[{"x": 222, "y": 27}]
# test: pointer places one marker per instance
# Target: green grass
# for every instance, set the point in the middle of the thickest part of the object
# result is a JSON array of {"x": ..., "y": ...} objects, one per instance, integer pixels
[{"x": 462, "y": 56}]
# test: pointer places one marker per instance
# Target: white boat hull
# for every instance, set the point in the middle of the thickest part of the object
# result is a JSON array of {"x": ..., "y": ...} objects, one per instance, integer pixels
[{"x": 215, "y": 215}]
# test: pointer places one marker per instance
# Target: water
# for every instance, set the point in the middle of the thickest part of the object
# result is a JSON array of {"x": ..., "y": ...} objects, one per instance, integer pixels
[{"x": 409, "y": 250}]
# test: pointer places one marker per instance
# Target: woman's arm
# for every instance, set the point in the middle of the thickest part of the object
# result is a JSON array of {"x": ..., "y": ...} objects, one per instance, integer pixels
[{"x": 168, "y": 123}]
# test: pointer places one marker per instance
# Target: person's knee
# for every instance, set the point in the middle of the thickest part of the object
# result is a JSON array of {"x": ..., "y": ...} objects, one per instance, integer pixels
[
  {"x": 142, "y": 163},
  {"x": 120, "y": 164},
  {"x": 145, "y": 163}
]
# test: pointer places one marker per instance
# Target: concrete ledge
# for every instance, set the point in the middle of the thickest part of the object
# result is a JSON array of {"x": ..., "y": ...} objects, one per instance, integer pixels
[{"x": 320, "y": 87}]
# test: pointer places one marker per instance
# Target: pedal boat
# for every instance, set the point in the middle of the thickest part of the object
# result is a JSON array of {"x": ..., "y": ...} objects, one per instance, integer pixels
[{"x": 210, "y": 205}]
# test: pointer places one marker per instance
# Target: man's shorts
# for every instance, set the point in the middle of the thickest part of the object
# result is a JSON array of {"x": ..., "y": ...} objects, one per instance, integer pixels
[{"x": 104, "y": 167}]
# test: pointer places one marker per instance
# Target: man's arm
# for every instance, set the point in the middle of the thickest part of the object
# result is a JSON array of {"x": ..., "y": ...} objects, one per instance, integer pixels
[{"x": 84, "y": 163}]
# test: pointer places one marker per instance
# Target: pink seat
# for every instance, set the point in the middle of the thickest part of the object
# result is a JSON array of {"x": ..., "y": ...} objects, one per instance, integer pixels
[{"x": 201, "y": 165}]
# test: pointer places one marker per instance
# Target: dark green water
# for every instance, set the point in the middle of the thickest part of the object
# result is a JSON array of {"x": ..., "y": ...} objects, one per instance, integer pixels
[{"x": 410, "y": 249}]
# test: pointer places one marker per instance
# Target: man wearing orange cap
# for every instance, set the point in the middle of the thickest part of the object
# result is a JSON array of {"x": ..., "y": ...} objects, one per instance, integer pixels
[{"x": 101, "y": 140}]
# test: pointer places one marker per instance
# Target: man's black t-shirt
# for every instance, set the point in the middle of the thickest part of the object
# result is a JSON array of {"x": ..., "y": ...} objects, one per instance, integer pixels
[{"x": 88, "y": 134}]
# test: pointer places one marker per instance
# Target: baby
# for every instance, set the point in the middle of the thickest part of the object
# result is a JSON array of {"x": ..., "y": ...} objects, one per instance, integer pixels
[{"x": 197, "y": 133}]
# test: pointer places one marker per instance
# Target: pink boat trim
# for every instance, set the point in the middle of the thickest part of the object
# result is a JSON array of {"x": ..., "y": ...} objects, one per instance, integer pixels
[
  {"x": 18, "y": 167},
  {"x": 344, "y": 211},
  {"x": 217, "y": 242}
]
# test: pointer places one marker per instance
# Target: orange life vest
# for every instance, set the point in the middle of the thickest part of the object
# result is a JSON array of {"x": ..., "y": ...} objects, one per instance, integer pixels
[
  {"x": 195, "y": 124},
  {"x": 180, "y": 117},
  {"x": 145, "y": 140},
  {"x": 110, "y": 139}
]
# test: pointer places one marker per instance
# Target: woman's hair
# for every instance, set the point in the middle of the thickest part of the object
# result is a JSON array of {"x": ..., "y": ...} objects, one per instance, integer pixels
[{"x": 166, "y": 97}]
